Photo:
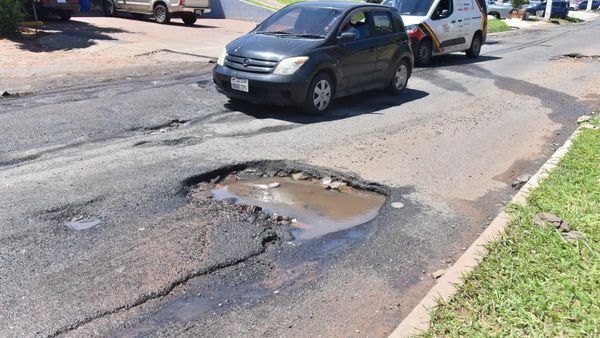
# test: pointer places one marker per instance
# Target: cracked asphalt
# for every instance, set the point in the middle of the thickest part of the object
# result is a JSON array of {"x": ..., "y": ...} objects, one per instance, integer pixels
[{"x": 164, "y": 263}]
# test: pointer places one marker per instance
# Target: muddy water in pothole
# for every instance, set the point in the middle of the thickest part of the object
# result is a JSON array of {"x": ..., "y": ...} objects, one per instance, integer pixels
[{"x": 317, "y": 211}]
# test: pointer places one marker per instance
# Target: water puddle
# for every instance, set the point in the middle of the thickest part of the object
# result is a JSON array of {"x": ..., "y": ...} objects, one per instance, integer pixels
[
  {"x": 83, "y": 224},
  {"x": 317, "y": 211}
]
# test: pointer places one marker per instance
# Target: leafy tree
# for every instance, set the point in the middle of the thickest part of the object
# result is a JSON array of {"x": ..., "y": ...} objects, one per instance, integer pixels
[
  {"x": 11, "y": 12},
  {"x": 517, "y": 3}
]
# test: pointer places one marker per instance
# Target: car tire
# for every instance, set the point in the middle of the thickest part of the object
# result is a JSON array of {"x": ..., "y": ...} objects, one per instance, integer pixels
[
  {"x": 424, "y": 52},
  {"x": 400, "y": 79},
  {"x": 496, "y": 15},
  {"x": 475, "y": 49},
  {"x": 65, "y": 16},
  {"x": 189, "y": 19},
  {"x": 161, "y": 14},
  {"x": 320, "y": 95},
  {"x": 109, "y": 8}
]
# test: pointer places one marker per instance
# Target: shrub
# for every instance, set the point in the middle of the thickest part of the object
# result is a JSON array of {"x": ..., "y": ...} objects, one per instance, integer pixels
[
  {"x": 11, "y": 12},
  {"x": 517, "y": 3}
]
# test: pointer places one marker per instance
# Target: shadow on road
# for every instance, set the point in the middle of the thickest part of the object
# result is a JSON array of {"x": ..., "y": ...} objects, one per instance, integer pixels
[
  {"x": 457, "y": 59},
  {"x": 58, "y": 35},
  {"x": 359, "y": 104}
]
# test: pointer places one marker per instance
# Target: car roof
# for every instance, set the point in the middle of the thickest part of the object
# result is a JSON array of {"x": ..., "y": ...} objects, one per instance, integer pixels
[{"x": 337, "y": 4}]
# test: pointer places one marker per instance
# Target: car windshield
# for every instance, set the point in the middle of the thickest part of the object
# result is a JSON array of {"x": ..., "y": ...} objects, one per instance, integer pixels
[
  {"x": 304, "y": 21},
  {"x": 410, "y": 7}
]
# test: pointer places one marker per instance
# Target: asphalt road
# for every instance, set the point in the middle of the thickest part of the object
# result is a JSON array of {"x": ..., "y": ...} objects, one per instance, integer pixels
[{"x": 161, "y": 263}]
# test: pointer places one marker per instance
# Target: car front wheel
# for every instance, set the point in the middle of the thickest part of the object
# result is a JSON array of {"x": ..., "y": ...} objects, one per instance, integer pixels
[
  {"x": 320, "y": 95},
  {"x": 424, "y": 53}
]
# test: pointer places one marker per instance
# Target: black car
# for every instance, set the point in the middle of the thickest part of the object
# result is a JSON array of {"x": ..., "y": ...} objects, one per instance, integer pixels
[{"x": 309, "y": 53}]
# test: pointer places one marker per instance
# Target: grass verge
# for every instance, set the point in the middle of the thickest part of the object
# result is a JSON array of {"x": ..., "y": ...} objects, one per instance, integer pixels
[
  {"x": 533, "y": 282},
  {"x": 495, "y": 26}
]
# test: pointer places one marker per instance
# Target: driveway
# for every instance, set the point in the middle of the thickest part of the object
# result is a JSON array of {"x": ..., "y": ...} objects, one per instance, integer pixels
[{"x": 157, "y": 261}]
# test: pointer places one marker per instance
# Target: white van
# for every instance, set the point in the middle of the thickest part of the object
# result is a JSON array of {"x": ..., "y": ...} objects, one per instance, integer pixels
[{"x": 438, "y": 27}]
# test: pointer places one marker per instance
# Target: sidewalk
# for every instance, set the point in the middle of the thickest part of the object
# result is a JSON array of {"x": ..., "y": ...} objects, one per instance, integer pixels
[{"x": 93, "y": 44}]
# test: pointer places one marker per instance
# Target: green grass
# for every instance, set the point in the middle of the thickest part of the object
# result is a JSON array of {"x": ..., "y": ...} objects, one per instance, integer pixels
[
  {"x": 287, "y": 2},
  {"x": 533, "y": 283},
  {"x": 495, "y": 26},
  {"x": 262, "y": 4}
]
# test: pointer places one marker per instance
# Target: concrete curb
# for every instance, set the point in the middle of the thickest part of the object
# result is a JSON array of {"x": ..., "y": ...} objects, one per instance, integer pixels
[{"x": 417, "y": 320}]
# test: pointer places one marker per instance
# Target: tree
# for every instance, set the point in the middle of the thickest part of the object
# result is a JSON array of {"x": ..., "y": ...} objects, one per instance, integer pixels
[{"x": 11, "y": 12}]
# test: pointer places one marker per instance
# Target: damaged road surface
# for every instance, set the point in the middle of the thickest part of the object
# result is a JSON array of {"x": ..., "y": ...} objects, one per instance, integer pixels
[{"x": 152, "y": 206}]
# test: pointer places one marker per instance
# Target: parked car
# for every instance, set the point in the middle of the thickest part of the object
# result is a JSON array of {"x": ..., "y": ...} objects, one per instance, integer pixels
[
  {"x": 64, "y": 9},
  {"x": 499, "y": 11},
  {"x": 574, "y": 5},
  {"x": 162, "y": 10},
  {"x": 438, "y": 27},
  {"x": 560, "y": 9},
  {"x": 310, "y": 53},
  {"x": 583, "y": 5}
]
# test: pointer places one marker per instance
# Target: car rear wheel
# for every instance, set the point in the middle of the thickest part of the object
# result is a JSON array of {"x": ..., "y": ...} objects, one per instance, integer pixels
[
  {"x": 424, "y": 52},
  {"x": 320, "y": 95},
  {"x": 161, "y": 14},
  {"x": 109, "y": 8},
  {"x": 475, "y": 49},
  {"x": 188, "y": 18},
  {"x": 400, "y": 78}
]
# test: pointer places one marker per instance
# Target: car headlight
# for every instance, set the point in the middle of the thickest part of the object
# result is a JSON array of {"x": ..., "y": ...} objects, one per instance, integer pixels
[
  {"x": 290, "y": 65},
  {"x": 221, "y": 59},
  {"x": 410, "y": 28}
]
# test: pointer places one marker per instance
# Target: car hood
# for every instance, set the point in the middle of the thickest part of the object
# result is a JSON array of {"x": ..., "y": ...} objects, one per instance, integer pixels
[
  {"x": 270, "y": 47},
  {"x": 413, "y": 20}
]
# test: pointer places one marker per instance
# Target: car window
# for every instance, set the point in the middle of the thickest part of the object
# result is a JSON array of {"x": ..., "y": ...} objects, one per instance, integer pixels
[
  {"x": 383, "y": 23},
  {"x": 410, "y": 7},
  {"x": 358, "y": 24},
  {"x": 314, "y": 21},
  {"x": 444, "y": 5}
]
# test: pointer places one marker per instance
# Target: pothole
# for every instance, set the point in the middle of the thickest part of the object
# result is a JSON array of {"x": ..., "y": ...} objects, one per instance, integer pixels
[
  {"x": 314, "y": 203},
  {"x": 577, "y": 57}
]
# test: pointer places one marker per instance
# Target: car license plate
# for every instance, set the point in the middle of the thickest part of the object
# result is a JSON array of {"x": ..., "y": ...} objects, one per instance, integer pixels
[{"x": 239, "y": 84}]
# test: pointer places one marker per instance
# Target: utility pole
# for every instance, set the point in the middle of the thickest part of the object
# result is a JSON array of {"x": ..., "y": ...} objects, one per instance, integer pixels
[
  {"x": 548, "y": 12},
  {"x": 589, "y": 5}
]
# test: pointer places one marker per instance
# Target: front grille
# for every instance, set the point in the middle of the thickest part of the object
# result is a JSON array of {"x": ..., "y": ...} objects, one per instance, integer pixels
[{"x": 249, "y": 64}]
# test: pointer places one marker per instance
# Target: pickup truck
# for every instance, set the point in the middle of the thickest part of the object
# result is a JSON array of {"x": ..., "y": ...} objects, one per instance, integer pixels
[{"x": 162, "y": 10}]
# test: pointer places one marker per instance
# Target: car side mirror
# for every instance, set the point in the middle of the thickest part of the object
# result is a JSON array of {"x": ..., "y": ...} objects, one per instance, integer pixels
[
  {"x": 445, "y": 13},
  {"x": 347, "y": 37}
]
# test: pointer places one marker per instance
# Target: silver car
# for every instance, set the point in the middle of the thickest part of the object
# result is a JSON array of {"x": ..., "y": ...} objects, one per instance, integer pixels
[
  {"x": 499, "y": 10},
  {"x": 162, "y": 10}
]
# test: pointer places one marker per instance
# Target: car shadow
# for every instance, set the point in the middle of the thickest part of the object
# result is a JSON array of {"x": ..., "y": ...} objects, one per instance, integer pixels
[
  {"x": 457, "y": 59},
  {"x": 346, "y": 107},
  {"x": 57, "y": 35},
  {"x": 174, "y": 22}
]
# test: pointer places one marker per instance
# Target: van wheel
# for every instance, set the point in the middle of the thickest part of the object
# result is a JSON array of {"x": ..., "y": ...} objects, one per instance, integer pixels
[
  {"x": 109, "y": 8},
  {"x": 188, "y": 18},
  {"x": 320, "y": 95},
  {"x": 161, "y": 14},
  {"x": 424, "y": 52},
  {"x": 400, "y": 78},
  {"x": 475, "y": 49}
]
